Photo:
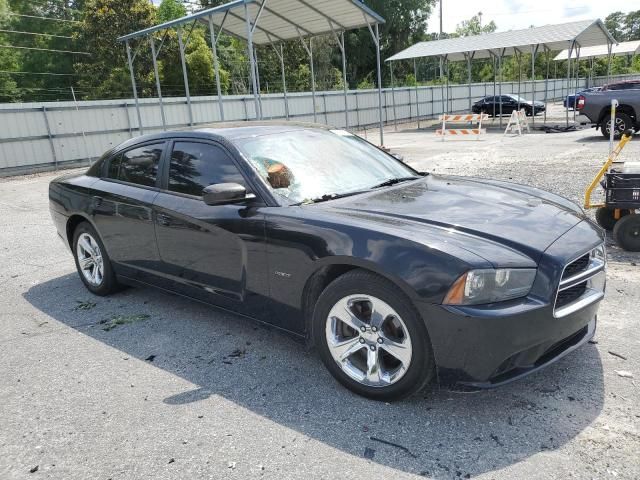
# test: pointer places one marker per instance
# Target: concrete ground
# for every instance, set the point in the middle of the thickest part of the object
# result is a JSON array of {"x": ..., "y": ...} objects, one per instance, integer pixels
[{"x": 146, "y": 385}]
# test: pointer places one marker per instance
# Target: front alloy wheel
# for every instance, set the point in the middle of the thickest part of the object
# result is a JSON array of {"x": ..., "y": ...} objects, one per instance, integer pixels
[
  {"x": 368, "y": 340},
  {"x": 371, "y": 338}
]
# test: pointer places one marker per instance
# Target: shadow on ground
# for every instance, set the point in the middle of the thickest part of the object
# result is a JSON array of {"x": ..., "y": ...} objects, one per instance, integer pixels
[{"x": 439, "y": 434}]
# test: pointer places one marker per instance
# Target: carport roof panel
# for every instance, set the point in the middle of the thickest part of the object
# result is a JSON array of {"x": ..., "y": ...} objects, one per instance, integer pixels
[
  {"x": 280, "y": 20},
  {"x": 602, "y": 50},
  {"x": 555, "y": 37}
]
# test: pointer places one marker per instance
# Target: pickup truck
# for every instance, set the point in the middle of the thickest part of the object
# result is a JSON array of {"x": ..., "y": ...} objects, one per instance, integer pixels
[{"x": 595, "y": 109}]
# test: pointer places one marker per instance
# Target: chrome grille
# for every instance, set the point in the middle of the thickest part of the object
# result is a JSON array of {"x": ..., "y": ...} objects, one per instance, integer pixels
[{"x": 582, "y": 283}]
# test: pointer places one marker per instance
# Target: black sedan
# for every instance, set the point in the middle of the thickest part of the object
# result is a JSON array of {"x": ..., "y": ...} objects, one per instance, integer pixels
[
  {"x": 491, "y": 105},
  {"x": 397, "y": 277}
]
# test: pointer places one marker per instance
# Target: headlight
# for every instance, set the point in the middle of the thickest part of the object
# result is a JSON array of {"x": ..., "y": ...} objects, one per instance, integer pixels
[
  {"x": 599, "y": 253},
  {"x": 487, "y": 286}
]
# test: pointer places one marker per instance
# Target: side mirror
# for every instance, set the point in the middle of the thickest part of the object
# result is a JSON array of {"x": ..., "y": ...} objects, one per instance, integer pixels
[{"x": 222, "y": 193}]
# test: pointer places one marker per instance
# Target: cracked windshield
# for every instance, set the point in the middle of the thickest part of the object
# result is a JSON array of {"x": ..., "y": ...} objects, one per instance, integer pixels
[{"x": 306, "y": 166}]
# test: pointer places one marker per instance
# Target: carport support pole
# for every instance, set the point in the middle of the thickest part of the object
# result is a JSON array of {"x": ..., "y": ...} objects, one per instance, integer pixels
[
  {"x": 415, "y": 75},
  {"x": 568, "y": 80},
  {"x": 252, "y": 62},
  {"x": 157, "y": 77},
  {"x": 393, "y": 98},
  {"x": 284, "y": 82},
  {"x": 184, "y": 75},
  {"x": 546, "y": 84},
  {"x": 534, "y": 52},
  {"x": 469, "y": 57},
  {"x": 518, "y": 56},
  {"x": 500, "y": 85},
  {"x": 442, "y": 85},
  {"x": 376, "y": 40},
  {"x": 313, "y": 80},
  {"x": 609, "y": 50},
  {"x": 493, "y": 57},
  {"x": 135, "y": 88},
  {"x": 257, "y": 64},
  {"x": 344, "y": 80},
  {"x": 577, "y": 69},
  {"x": 216, "y": 66}
]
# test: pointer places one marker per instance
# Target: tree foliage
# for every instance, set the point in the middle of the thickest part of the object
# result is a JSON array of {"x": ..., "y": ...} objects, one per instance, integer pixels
[{"x": 93, "y": 26}]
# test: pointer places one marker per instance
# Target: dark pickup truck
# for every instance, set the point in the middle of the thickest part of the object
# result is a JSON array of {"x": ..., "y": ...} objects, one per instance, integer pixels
[{"x": 595, "y": 109}]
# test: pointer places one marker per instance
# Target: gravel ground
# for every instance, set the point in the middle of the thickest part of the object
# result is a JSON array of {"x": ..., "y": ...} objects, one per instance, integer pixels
[{"x": 147, "y": 385}]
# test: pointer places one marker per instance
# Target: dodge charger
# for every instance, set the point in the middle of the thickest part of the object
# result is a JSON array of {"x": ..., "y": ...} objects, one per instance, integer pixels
[{"x": 398, "y": 278}]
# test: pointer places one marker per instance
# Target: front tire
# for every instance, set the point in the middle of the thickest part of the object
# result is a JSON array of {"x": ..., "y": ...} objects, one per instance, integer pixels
[
  {"x": 371, "y": 338},
  {"x": 92, "y": 262},
  {"x": 627, "y": 233}
]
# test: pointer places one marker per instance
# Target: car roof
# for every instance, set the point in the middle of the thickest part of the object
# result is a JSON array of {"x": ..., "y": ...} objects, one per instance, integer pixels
[{"x": 234, "y": 130}]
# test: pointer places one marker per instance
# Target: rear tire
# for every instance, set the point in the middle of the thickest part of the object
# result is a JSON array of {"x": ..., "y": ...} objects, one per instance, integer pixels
[
  {"x": 623, "y": 123},
  {"x": 92, "y": 261},
  {"x": 606, "y": 219},
  {"x": 371, "y": 338},
  {"x": 627, "y": 233}
]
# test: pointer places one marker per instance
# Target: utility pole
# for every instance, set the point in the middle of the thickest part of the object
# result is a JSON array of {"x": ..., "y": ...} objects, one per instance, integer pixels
[{"x": 480, "y": 19}]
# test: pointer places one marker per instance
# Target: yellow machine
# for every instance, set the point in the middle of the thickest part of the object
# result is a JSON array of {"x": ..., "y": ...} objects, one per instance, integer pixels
[{"x": 622, "y": 199}]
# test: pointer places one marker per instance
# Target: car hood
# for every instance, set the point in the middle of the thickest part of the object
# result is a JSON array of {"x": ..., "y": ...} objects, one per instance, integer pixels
[{"x": 520, "y": 217}]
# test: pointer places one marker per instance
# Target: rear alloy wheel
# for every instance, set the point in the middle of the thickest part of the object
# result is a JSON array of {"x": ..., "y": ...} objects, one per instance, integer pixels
[
  {"x": 371, "y": 339},
  {"x": 627, "y": 233},
  {"x": 92, "y": 261},
  {"x": 606, "y": 217},
  {"x": 622, "y": 124}
]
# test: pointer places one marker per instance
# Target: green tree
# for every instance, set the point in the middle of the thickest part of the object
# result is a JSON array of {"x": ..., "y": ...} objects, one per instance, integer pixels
[
  {"x": 105, "y": 71},
  {"x": 474, "y": 27},
  {"x": 170, "y": 10}
]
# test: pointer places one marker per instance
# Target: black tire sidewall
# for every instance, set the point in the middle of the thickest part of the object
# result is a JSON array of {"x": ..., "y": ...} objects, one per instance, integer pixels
[
  {"x": 605, "y": 217},
  {"x": 422, "y": 365},
  {"x": 620, "y": 233},
  {"x": 617, "y": 134},
  {"x": 109, "y": 283}
]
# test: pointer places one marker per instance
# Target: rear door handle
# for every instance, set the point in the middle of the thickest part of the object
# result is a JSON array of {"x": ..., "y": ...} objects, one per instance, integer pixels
[{"x": 97, "y": 201}]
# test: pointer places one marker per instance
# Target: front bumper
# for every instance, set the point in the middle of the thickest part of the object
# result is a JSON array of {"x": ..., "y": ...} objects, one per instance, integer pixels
[{"x": 479, "y": 348}]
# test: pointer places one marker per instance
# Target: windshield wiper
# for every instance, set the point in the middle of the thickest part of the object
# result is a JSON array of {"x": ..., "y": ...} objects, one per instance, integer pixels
[
  {"x": 329, "y": 196},
  {"x": 394, "y": 181}
]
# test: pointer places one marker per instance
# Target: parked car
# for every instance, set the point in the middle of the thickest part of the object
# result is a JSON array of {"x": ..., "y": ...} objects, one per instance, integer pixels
[
  {"x": 570, "y": 100},
  {"x": 491, "y": 105},
  {"x": 595, "y": 110},
  {"x": 397, "y": 277},
  {"x": 626, "y": 85}
]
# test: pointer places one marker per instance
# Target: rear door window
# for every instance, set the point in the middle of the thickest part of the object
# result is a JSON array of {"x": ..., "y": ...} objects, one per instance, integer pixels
[{"x": 138, "y": 165}]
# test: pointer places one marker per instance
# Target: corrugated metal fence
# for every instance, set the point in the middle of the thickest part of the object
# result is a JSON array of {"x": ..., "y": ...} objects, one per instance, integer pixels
[{"x": 44, "y": 136}]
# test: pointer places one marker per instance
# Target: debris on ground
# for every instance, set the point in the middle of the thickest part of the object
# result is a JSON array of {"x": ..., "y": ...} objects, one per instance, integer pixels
[
  {"x": 396, "y": 445},
  {"x": 617, "y": 355},
  {"x": 369, "y": 453},
  {"x": 34, "y": 469},
  {"x": 624, "y": 374},
  {"x": 237, "y": 353},
  {"x": 116, "y": 320},
  {"x": 150, "y": 358},
  {"x": 86, "y": 305}
]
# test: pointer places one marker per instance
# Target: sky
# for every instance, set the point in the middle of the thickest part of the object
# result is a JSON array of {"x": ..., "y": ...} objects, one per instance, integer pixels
[{"x": 517, "y": 14}]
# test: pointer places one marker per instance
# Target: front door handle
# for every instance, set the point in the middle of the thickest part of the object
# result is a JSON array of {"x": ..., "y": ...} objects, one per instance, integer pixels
[
  {"x": 97, "y": 201},
  {"x": 163, "y": 219}
]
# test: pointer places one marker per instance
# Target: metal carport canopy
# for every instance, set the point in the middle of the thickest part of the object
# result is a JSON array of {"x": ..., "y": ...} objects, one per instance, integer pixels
[
  {"x": 279, "y": 20},
  {"x": 623, "y": 48},
  {"x": 585, "y": 33}
]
